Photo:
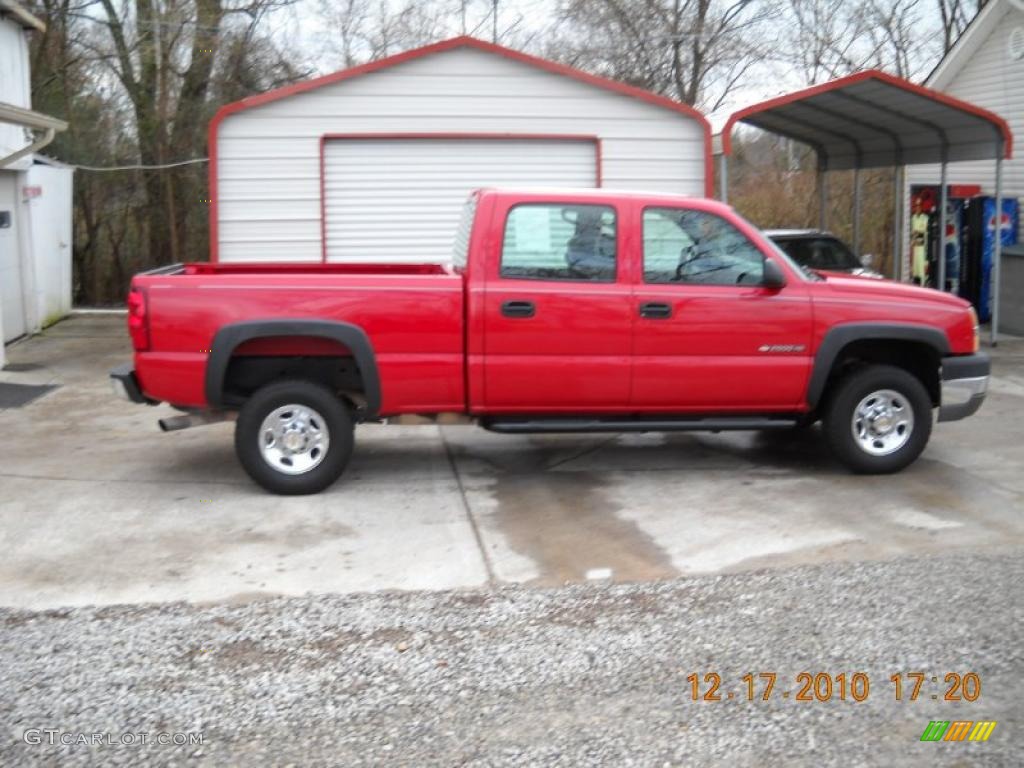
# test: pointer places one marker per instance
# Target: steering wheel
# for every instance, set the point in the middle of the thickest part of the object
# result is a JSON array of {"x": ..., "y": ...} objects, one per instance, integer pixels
[{"x": 687, "y": 256}]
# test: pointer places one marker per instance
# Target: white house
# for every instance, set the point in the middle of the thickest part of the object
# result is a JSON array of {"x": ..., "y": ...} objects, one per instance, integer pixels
[
  {"x": 35, "y": 194},
  {"x": 986, "y": 68},
  {"x": 374, "y": 163}
]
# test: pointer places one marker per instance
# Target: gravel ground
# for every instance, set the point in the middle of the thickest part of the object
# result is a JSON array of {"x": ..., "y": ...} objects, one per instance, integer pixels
[{"x": 582, "y": 675}]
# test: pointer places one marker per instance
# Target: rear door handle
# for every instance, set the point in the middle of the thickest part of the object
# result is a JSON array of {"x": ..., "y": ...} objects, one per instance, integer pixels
[
  {"x": 655, "y": 310},
  {"x": 518, "y": 309}
]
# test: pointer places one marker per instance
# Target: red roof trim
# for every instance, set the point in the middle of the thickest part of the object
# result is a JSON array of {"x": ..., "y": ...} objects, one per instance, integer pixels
[
  {"x": 416, "y": 53},
  {"x": 871, "y": 74}
]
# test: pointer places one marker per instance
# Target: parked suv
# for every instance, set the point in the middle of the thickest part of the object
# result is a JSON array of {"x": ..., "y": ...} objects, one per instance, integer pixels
[{"x": 819, "y": 250}]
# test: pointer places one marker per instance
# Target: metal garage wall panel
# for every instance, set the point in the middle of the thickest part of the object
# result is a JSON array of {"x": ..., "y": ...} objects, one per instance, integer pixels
[
  {"x": 399, "y": 200},
  {"x": 461, "y": 90},
  {"x": 12, "y": 305}
]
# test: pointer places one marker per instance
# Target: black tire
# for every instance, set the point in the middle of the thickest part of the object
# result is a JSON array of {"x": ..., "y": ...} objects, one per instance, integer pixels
[
  {"x": 337, "y": 420},
  {"x": 843, "y": 400}
]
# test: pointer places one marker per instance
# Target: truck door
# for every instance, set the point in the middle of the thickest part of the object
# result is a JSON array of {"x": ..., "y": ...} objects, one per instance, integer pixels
[
  {"x": 557, "y": 326},
  {"x": 708, "y": 334}
]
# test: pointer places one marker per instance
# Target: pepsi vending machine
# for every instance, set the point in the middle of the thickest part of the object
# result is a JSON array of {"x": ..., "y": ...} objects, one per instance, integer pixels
[
  {"x": 976, "y": 286},
  {"x": 928, "y": 246}
]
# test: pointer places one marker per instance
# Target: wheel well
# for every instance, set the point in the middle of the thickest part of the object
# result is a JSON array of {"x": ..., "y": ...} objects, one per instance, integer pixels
[
  {"x": 917, "y": 358},
  {"x": 245, "y": 356},
  {"x": 248, "y": 373}
]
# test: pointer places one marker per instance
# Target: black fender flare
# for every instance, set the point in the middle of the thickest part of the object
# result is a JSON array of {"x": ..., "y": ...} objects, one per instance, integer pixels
[
  {"x": 228, "y": 337},
  {"x": 841, "y": 335}
]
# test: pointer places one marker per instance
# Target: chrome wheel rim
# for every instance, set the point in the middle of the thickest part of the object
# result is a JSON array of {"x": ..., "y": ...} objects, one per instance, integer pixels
[
  {"x": 294, "y": 439},
  {"x": 882, "y": 422}
]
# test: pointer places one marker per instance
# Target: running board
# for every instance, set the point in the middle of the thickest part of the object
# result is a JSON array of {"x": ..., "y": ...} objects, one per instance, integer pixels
[{"x": 716, "y": 424}]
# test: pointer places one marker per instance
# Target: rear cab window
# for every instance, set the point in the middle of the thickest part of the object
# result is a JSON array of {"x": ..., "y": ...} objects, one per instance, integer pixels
[{"x": 560, "y": 241}]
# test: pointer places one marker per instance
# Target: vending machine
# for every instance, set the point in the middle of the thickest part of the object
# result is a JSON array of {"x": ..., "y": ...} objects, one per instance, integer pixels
[
  {"x": 926, "y": 244},
  {"x": 980, "y": 247}
]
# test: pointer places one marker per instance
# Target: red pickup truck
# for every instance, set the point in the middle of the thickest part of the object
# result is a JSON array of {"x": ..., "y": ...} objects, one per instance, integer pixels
[{"x": 573, "y": 310}]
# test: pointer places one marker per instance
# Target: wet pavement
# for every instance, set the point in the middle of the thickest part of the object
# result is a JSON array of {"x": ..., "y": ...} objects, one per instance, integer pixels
[{"x": 97, "y": 506}]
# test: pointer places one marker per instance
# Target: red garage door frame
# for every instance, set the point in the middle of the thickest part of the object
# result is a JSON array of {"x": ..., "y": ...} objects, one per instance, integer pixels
[{"x": 445, "y": 136}]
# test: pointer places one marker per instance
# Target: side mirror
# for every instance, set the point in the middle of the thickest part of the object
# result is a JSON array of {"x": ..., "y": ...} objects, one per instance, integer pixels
[
  {"x": 773, "y": 275},
  {"x": 867, "y": 260}
]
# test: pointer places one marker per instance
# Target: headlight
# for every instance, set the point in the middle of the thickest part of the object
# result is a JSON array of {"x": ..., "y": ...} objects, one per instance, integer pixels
[{"x": 977, "y": 330}]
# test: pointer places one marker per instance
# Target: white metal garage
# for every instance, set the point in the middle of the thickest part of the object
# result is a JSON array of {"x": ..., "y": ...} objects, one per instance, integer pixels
[{"x": 374, "y": 163}]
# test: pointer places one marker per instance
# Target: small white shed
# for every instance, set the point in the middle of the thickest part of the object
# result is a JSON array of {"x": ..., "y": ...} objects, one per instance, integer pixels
[
  {"x": 35, "y": 246},
  {"x": 374, "y": 163}
]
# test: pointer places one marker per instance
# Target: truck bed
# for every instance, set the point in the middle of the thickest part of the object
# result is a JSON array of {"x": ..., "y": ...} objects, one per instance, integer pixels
[{"x": 412, "y": 314}]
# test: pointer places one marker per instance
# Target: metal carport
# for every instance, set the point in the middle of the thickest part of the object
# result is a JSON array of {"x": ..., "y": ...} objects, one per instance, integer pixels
[{"x": 871, "y": 120}]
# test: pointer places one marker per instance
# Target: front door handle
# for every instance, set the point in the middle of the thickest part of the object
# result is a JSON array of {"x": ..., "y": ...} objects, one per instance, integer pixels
[
  {"x": 518, "y": 309},
  {"x": 656, "y": 310}
]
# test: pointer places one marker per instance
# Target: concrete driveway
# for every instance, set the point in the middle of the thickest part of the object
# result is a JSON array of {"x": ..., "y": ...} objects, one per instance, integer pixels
[{"x": 97, "y": 506}]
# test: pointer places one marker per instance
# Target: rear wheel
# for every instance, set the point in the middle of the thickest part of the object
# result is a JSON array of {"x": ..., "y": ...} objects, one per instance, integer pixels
[
  {"x": 294, "y": 437},
  {"x": 878, "y": 419}
]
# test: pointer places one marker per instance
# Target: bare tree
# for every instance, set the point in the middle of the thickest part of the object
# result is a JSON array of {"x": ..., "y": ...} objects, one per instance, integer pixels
[
  {"x": 691, "y": 50},
  {"x": 163, "y": 52},
  {"x": 956, "y": 15},
  {"x": 822, "y": 38},
  {"x": 358, "y": 31},
  {"x": 893, "y": 29},
  {"x": 138, "y": 81},
  {"x": 830, "y": 38},
  {"x": 347, "y": 22}
]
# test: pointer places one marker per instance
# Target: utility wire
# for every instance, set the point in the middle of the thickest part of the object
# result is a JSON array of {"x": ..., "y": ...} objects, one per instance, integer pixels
[{"x": 138, "y": 167}]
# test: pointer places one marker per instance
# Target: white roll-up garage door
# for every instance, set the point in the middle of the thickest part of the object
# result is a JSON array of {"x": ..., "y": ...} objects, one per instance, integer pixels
[{"x": 399, "y": 199}]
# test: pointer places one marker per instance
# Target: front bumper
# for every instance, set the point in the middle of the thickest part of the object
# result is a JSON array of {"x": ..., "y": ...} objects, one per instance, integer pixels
[
  {"x": 964, "y": 384},
  {"x": 126, "y": 385}
]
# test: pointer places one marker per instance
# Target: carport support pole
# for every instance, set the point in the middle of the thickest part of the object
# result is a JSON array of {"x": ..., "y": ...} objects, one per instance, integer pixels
[
  {"x": 940, "y": 261},
  {"x": 997, "y": 246},
  {"x": 897, "y": 224},
  {"x": 822, "y": 197},
  {"x": 723, "y": 177},
  {"x": 856, "y": 212}
]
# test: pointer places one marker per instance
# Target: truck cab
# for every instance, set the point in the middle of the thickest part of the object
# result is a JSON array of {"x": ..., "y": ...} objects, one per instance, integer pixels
[{"x": 627, "y": 303}]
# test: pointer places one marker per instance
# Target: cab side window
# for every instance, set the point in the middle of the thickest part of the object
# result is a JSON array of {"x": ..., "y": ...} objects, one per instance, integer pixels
[
  {"x": 556, "y": 241},
  {"x": 687, "y": 246}
]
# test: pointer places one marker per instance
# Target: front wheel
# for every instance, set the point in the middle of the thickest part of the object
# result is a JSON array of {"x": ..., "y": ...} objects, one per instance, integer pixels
[
  {"x": 878, "y": 420},
  {"x": 294, "y": 437}
]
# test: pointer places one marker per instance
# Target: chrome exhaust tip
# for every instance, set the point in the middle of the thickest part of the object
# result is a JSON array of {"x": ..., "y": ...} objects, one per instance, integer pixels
[{"x": 195, "y": 419}]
